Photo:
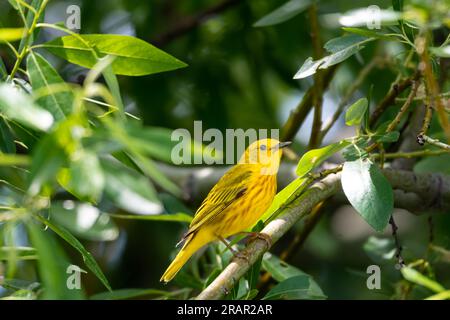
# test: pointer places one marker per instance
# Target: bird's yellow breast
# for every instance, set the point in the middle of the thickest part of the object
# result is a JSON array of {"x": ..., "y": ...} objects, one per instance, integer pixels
[{"x": 247, "y": 210}]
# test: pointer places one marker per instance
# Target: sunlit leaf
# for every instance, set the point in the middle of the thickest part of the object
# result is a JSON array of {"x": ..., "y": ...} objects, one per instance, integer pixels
[
  {"x": 130, "y": 190},
  {"x": 355, "y": 113},
  {"x": 11, "y": 34},
  {"x": 443, "y": 52},
  {"x": 55, "y": 96},
  {"x": 85, "y": 176},
  {"x": 371, "y": 17},
  {"x": 283, "y": 197},
  {"x": 132, "y": 56},
  {"x": 17, "y": 106},
  {"x": 340, "y": 48},
  {"x": 13, "y": 160},
  {"x": 84, "y": 220},
  {"x": 416, "y": 277},
  {"x": 314, "y": 158}
]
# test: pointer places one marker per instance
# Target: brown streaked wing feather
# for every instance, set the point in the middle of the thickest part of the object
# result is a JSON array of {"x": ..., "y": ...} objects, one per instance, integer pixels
[{"x": 230, "y": 187}]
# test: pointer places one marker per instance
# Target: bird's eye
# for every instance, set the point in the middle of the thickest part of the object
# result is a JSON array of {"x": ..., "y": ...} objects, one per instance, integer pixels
[{"x": 263, "y": 147}]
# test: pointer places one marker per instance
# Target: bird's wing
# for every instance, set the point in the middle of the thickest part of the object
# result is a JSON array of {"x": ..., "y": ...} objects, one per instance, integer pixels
[{"x": 230, "y": 187}]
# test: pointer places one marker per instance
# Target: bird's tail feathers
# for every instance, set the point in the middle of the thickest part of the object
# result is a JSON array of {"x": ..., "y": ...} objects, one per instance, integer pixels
[{"x": 192, "y": 243}]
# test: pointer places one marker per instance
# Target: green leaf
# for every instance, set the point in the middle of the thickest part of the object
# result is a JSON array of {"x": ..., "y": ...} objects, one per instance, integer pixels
[
  {"x": 130, "y": 190},
  {"x": 283, "y": 197},
  {"x": 84, "y": 220},
  {"x": 11, "y": 34},
  {"x": 54, "y": 93},
  {"x": 364, "y": 17},
  {"x": 416, "y": 277},
  {"x": 314, "y": 158},
  {"x": 284, "y": 13},
  {"x": 434, "y": 164},
  {"x": 278, "y": 269},
  {"x": 368, "y": 33},
  {"x": 387, "y": 137},
  {"x": 443, "y": 52},
  {"x": 3, "y": 71},
  {"x": 36, "y": 4},
  {"x": 132, "y": 56},
  {"x": 156, "y": 142},
  {"x": 13, "y": 160},
  {"x": 84, "y": 178},
  {"x": 48, "y": 158},
  {"x": 7, "y": 144},
  {"x": 173, "y": 217},
  {"x": 128, "y": 294},
  {"x": 380, "y": 250},
  {"x": 17, "y": 106},
  {"x": 70, "y": 239},
  {"x": 369, "y": 192},
  {"x": 21, "y": 253},
  {"x": 14, "y": 4},
  {"x": 355, "y": 113},
  {"x": 299, "y": 287},
  {"x": 341, "y": 48},
  {"x": 52, "y": 264},
  {"x": 445, "y": 295}
]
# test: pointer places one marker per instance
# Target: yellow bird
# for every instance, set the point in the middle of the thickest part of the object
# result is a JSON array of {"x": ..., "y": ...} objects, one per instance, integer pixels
[{"x": 235, "y": 203}]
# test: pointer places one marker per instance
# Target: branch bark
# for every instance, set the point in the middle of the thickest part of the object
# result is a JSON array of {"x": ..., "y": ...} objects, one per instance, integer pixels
[{"x": 432, "y": 189}]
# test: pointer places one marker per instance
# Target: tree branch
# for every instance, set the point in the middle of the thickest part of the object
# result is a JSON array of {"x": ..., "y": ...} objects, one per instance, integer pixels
[
  {"x": 275, "y": 229},
  {"x": 192, "y": 22},
  {"x": 396, "y": 89},
  {"x": 433, "y": 189},
  {"x": 314, "y": 140}
]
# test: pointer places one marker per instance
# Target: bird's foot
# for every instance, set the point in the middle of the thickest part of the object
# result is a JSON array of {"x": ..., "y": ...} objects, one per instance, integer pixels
[
  {"x": 242, "y": 255},
  {"x": 252, "y": 236}
]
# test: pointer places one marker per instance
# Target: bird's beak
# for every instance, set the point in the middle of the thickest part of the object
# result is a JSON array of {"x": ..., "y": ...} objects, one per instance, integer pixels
[{"x": 282, "y": 145}]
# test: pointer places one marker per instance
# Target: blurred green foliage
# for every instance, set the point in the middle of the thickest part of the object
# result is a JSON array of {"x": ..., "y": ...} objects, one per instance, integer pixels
[{"x": 80, "y": 178}]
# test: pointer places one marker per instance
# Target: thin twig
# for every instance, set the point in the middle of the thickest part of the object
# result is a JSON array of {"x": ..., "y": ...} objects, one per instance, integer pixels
[
  {"x": 394, "y": 123},
  {"x": 423, "y": 138},
  {"x": 189, "y": 23},
  {"x": 348, "y": 95},
  {"x": 432, "y": 85},
  {"x": 413, "y": 154},
  {"x": 298, "y": 115},
  {"x": 398, "y": 247},
  {"x": 396, "y": 89},
  {"x": 314, "y": 139}
]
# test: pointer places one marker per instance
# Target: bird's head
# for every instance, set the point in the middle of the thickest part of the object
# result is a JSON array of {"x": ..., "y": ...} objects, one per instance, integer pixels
[{"x": 266, "y": 153}]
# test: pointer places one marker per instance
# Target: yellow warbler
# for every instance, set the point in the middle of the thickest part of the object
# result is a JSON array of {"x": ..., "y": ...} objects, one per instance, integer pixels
[{"x": 235, "y": 203}]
